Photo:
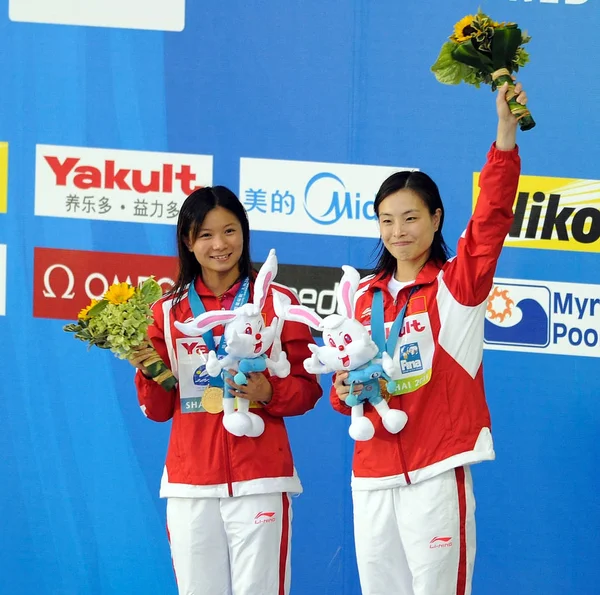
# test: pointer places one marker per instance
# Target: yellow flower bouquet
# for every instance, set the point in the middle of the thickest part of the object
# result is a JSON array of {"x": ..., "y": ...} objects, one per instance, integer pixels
[
  {"x": 119, "y": 322},
  {"x": 483, "y": 51}
]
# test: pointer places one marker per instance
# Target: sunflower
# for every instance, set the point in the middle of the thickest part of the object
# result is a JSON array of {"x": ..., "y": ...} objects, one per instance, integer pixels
[
  {"x": 464, "y": 29},
  {"x": 83, "y": 314},
  {"x": 119, "y": 293}
]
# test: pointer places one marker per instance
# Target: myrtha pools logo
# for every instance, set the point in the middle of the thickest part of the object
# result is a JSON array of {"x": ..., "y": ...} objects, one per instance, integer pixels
[
  {"x": 518, "y": 315},
  {"x": 547, "y": 316}
]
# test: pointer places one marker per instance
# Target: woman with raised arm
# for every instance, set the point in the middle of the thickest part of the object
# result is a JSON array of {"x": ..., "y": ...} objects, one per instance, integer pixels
[{"x": 414, "y": 509}]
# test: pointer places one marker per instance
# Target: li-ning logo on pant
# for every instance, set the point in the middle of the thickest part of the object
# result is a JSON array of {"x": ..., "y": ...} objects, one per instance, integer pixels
[
  {"x": 437, "y": 542},
  {"x": 264, "y": 517}
]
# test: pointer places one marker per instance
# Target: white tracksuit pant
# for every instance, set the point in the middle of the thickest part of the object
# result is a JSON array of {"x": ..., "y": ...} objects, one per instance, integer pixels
[
  {"x": 418, "y": 539},
  {"x": 231, "y": 546}
]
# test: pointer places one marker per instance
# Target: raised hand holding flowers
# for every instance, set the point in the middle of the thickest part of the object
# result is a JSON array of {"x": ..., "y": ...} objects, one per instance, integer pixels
[{"x": 483, "y": 51}]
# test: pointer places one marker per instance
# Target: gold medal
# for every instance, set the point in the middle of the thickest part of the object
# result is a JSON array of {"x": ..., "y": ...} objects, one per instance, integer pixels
[
  {"x": 384, "y": 391},
  {"x": 212, "y": 399}
]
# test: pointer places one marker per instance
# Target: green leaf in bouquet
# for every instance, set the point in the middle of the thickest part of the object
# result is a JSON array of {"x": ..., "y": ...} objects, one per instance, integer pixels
[
  {"x": 504, "y": 47},
  {"x": 446, "y": 69},
  {"x": 95, "y": 310},
  {"x": 71, "y": 328},
  {"x": 151, "y": 291},
  {"x": 472, "y": 76},
  {"x": 521, "y": 58},
  {"x": 99, "y": 342},
  {"x": 467, "y": 54}
]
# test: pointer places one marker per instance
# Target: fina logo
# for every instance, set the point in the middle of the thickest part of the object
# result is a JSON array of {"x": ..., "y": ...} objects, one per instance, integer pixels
[
  {"x": 410, "y": 358},
  {"x": 518, "y": 315},
  {"x": 326, "y": 201},
  {"x": 201, "y": 377}
]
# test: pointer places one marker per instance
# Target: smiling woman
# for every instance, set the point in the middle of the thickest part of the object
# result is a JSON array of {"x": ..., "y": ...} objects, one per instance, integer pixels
[
  {"x": 213, "y": 240},
  {"x": 218, "y": 245},
  {"x": 414, "y": 508},
  {"x": 215, "y": 481},
  {"x": 411, "y": 216}
]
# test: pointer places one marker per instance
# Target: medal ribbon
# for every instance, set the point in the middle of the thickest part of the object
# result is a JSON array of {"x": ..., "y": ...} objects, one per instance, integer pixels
[
  {"x": 378, "y": 323},
  {"x": 241, "y": 298}
]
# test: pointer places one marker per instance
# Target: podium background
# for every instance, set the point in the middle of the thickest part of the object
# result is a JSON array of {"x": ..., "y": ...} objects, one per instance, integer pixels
[{"x": 335, "y": 81}]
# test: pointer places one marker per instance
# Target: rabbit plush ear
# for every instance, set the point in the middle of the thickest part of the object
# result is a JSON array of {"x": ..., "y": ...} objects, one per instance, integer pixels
[
  {"x": 281, "y": 303},
  {"x": 205, "y": 322},
  {"x": 346, "y": 290},
  {"x": 304, "y": 315},
  {"x": 265, "y": 276}
]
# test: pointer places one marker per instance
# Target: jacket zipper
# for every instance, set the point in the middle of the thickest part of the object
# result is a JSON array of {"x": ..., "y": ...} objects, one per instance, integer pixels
[
  {"x": 403, "y": 461},
  {"x": 400, "y": 449},
  {"x": 225, "y": 434}
]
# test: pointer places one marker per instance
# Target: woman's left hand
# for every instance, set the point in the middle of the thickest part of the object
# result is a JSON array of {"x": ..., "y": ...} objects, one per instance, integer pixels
[
  {"x": 257, "y": 389},
  {"x": 507, "y": 123},
  {"x": 502, "y": 108}
]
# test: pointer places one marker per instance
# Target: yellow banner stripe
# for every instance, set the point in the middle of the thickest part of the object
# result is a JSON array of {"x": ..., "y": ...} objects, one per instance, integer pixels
[{"x": 569, "y": 193}]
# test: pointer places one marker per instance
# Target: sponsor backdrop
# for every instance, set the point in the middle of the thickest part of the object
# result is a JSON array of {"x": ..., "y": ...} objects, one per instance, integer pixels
[{"x": 113, "y": 111}]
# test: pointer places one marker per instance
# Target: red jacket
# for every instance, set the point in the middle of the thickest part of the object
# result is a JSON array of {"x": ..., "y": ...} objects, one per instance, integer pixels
[
  {"x": 441, "y": 349},
  {"x": 203, "y": 459}
]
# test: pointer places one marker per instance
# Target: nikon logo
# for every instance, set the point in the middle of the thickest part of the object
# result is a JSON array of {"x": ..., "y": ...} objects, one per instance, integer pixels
[
  {"x": 548, "y": 219},
  {"x": 555, "y": 214}
]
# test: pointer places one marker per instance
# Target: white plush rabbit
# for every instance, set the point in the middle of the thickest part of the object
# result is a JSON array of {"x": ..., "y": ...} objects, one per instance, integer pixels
[
  {"x": 349, "y": 347},
  {"x": 247, "y": 341}
]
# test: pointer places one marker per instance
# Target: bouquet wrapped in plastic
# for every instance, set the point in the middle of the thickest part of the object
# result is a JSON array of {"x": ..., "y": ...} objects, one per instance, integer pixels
[
  {"x": 484, "y": 51},
  {"x": 119, "y": 322}
]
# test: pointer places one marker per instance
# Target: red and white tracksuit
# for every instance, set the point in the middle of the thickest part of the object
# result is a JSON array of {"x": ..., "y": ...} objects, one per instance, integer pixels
[
  {"x": 412, "y": 492},
  {"x": 228, "y": 509}
]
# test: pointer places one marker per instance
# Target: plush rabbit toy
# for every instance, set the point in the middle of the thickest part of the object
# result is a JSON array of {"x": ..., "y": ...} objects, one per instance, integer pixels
[
  {"x": 349, "y": 347},
  {"x": 247, "y": 341}
]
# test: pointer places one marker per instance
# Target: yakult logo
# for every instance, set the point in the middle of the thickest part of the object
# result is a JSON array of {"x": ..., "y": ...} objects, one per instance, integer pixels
[
  {"x": 116, "y": 185},
  {"x": 71, "y": 171},
  {"x": 65, "y": 281},
  {"x": 195, "y": 347}
]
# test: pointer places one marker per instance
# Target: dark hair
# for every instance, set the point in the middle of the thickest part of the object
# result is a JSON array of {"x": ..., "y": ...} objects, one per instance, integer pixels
[
  {"x": 191, "y": 216},
  {"x": 427, "y": 189}
]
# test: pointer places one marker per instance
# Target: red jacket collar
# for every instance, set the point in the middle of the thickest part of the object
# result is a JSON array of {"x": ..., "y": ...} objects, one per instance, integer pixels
[
  {"x": 426, "y": 276},
  {"x": 204, "y": 291}
]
